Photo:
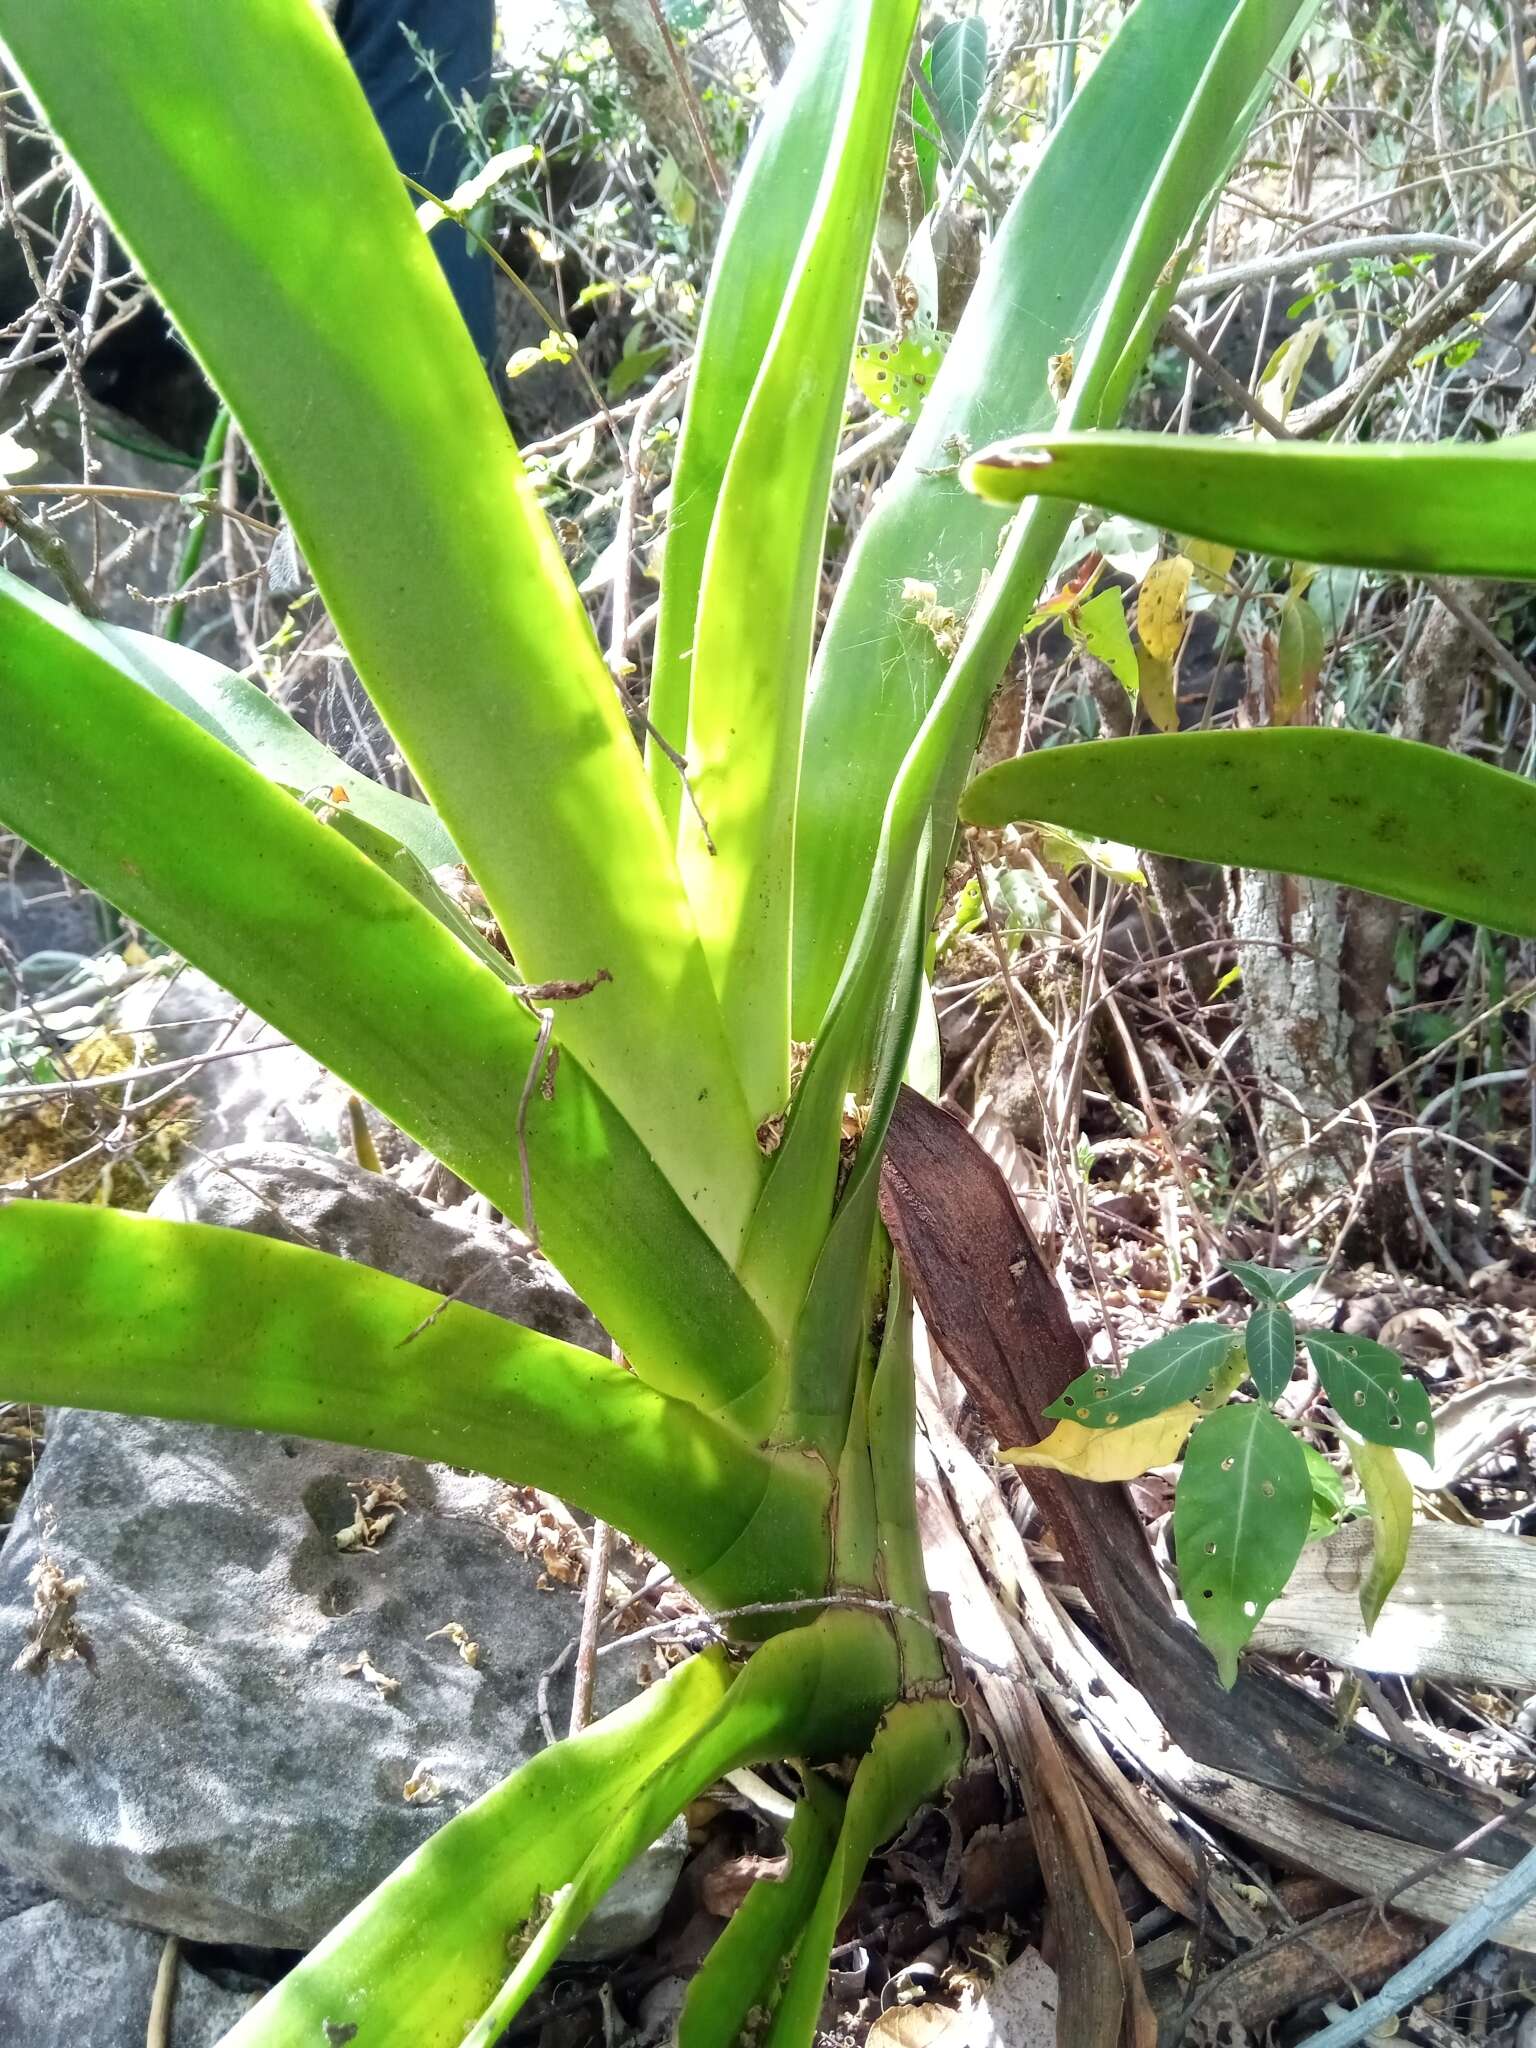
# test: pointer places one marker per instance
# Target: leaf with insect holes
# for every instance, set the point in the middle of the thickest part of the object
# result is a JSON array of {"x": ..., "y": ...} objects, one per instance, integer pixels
[
  {"x": 897, "y": 376},
  {"x": 1389, "y": 1497},
  {"x": 1240, "y": 1519},
  {"x": 1373, "y": 1395},
  {"x": 1109, "y": 1454},
  {"x": 1173, "y": 1368},
  {"x": 1269, "y": 1283},
  {"x": 1270, "y": 1341},
  {"x": 1162, "y": 610}
]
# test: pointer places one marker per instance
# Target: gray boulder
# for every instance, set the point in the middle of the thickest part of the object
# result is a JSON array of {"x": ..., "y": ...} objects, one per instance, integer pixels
[
  {"x": 257, "y": 1089},
  {"x": 68, "y": 1980},
  {"x": 271, "y": 1719}
]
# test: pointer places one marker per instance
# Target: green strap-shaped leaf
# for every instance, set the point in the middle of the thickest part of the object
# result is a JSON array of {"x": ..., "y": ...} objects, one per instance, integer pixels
[
  {"x": 1240, "y": 1519},
  {"x": 1389, "y": 1497},
  {"x": 237, "y": 157},
  {"x": 1458, "y": 510},
  {"x": 1373, "y": 1395},
  {"x": 1273, "y": 1283},
  {"x": 741, "y": 1973},
  {"x": 916, "y": 1750},
  {"x": 773, "y": 198},
  {"x": 261, "y": 732},
  {"x": 1270, "y": 1342},
  {"x": 1130, "y": 168},
  {"x": 1416, "y": 823},
  {"x": 189, "y": 839},
  {"x": 104, "y": 1309},
  {"x": 1173, "y": 1368},
  {"x": 413, "y": 1965},
  {"x": 761, "y": 586},
  {"x": 814, "y": 1691}
]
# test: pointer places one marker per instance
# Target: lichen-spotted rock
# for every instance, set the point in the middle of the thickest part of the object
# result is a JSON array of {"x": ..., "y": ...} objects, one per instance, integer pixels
[{"x": 268, "y": 1723}]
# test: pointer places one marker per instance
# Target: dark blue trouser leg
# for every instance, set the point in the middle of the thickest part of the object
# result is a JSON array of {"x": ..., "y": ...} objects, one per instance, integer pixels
[{"x": 422, "y": 139}]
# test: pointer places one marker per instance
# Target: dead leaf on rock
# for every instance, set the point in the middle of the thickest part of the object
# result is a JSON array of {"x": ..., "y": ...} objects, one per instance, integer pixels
[
  {"x": 55, "y": 1632},
  {"x": 726, "y": 1886},
  {"x": 1016, "y": 2010},
  {"x": 421, "y": 1789},
  {"x": 363, "y": 1667},
  {"x": 462, "y": 1641},
  {"x": 377, "y": 1504}
]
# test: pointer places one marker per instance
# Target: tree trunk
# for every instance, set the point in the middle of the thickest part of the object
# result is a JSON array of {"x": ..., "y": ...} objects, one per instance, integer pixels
[
  {"x": 654, "y": 88},
  {"x": 765, "y": 18}
]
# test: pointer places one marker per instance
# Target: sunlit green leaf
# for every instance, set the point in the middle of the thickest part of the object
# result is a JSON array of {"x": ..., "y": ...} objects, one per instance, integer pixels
[
  {"x": 1373, "y": 1395},
  {"x": 413, "y": 1965},
  {"x": 1273, "y": 1283},
  {"x": 1270, "y": 1342},
  {"x": 1454, "y": 509},
  {"x": 896, "y": 376},
  {"x": 1240, "y": 1519},
  {"x": 1173, "y": 1368},
  {"x": 1418, "y": 823},
  {"x": 1105, "y": 635}
]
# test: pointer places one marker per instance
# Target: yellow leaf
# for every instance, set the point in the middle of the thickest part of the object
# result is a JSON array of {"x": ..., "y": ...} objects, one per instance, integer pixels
[
  {"x": 1162, "y": 612},
  {"x": 1155, "y": 690},
  {"x": 1212, "y": 561},
  {"x": 1109, "y": 1454},
  {"x": 1389, "y": 1496}
]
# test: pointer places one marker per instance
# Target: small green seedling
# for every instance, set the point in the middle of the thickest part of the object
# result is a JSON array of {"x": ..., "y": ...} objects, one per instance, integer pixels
[{"x": 1247, "y": 1497}]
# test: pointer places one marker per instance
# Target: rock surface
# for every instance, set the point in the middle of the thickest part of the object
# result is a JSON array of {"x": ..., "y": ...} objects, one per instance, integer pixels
[
  {"x": 275, "y": 1094},
  {"x": 229, "y": 1771},
  {"x": 70, "y": 1981}
]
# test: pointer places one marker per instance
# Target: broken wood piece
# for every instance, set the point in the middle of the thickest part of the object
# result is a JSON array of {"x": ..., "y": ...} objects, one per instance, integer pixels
[{"x": 1449, "y": 1616}]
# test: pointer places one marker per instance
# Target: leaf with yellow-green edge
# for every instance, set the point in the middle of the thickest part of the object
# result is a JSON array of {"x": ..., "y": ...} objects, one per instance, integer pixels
[
  {"x": 235, "y": 154},
  {"x": 1460, "y": 509},
  {"x": 761, "y": 583},
  {"x": 1100, "y": 627},
  {"x": 1109, "y": 1454},
  {"x": 245, "y": 718},
  {"x": 417, "y": 1961},
  {"x": 1131, "y": 166},
  {"x": 222, "y": 1326},
  {"x": 774, "y": 196},
  {"x": 1413, "y": 822},
  {"x": 1240, "y": 1519},
  {"x": 1389, "y": 1497},
  {"x": 195, "y": 844}
]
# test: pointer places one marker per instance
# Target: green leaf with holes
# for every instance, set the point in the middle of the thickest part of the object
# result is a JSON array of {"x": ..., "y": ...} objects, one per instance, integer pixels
[
  {"x": 1270, "y": 1342},
  {"x": 1240, "y": 1519},
  {"x": 1174, "y": 1368},
  {"x": 1272, "y": 1283},
  {"x": 896, "y": 376},
  {"x": 1373, "y": 1395}
]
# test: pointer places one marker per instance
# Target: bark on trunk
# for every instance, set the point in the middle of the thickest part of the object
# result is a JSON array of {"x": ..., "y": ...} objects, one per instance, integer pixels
[{"x": 640, "y": 51}]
